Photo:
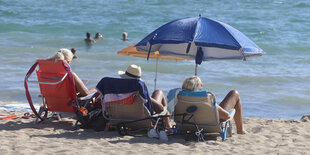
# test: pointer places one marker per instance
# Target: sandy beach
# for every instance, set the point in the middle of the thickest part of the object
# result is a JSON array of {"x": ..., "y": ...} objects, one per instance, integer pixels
[
  {"x": 266, "y": 136},
  {"x": 272, "y": 85}
]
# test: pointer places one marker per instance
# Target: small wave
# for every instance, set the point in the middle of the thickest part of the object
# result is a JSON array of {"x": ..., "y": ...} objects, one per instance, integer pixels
[
  {"x": 17, "y": 107},
  {"x": 299, "y": 101},
  {"x": 9, "y": 13},
  {"x": 302, "y": 5}
]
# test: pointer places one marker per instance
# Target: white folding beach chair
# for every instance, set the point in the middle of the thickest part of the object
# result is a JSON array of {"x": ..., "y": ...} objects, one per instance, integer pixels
[{"x": 125, "y": 105}]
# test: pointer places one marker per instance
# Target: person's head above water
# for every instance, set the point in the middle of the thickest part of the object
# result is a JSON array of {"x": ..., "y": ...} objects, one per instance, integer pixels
[
  {"x": 87, "y": 35},
  {"x": 133, "y": 71},
  {"x": 125, "y": 36},
  {"x": 73, "y": 50},
  {"x": 192, "y": 83},
  {"x": 98, "y": 36}
]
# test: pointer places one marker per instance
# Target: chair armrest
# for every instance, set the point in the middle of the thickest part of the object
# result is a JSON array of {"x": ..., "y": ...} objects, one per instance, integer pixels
[
  {"x": 231, "y": 114},
  {"x": 50, "y": 83},
  {"x": 89, "y": 96},
  {"x": 164, "y": 112}
]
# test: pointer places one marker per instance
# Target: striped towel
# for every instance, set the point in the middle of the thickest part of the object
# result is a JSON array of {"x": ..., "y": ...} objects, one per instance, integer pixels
[{"x": 125, "y": 98}]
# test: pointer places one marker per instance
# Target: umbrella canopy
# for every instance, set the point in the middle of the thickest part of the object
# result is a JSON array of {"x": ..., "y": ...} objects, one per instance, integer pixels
[
  {"x": 132, "y": 51},
  {"x": 201, "y": 39}
]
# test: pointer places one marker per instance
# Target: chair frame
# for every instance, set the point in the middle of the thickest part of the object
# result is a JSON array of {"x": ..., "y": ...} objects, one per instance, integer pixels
[
  {"x": 127, "y": 126},
  {"x": 188, "y": 125},
  {"x": 135, "y": 124},
  {"x": 43, "y": 108}
]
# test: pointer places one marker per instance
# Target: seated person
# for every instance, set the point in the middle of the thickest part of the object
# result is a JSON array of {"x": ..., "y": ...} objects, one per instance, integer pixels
[
  {"x": 88, "y": 40},
  {"x": 158, "y": 98},
  {"x": 231, "y": 101},
  {"x": 65, "y": 54}
]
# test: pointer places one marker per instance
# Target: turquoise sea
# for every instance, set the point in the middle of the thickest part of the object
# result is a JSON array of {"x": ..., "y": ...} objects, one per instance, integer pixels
[{"x": 276, "y": 85}]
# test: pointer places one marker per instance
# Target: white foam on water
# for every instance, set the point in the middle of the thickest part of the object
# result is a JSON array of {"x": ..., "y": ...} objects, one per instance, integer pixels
[{"x": 17, "y": 107}]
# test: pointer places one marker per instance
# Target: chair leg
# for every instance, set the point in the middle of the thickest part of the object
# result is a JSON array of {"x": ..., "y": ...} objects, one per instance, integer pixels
[
  {"x": 223, "y": 134},
  {"x": 56, "y": 115},
  {"x": 59, "y": 116},
  {"x": 121, "y": 129},
  {"x": 41, "y": 110},
  {"x": 200, "y": 135},
  {"x": 229, "y": 130},
  {"x": 76, "y": 126}
]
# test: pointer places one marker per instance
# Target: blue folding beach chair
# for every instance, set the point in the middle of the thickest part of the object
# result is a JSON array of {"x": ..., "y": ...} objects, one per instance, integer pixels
[{"x": 196, "y": 112}]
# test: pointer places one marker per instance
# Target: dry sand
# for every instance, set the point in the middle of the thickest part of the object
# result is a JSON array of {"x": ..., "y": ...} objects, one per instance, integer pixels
[{"x": 266, "y": 136}]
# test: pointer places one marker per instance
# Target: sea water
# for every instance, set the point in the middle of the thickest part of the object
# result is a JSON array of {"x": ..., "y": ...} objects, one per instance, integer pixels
[{"x": 275, "y": 85}]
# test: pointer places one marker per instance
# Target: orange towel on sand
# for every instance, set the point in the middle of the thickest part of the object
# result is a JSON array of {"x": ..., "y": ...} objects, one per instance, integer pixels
[{"x": 5, "y": 117}]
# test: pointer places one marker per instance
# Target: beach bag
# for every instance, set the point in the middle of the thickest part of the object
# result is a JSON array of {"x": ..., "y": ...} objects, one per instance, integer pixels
[{"x": 93, "y": 119}]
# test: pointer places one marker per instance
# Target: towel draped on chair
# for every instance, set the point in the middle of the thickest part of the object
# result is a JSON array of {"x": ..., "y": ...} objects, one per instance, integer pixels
[{"x": 108, "y": 85}]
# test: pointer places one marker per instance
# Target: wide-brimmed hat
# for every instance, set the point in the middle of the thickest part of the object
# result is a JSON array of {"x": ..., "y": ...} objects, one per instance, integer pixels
[
  {"x": 133, "y": 71},
  {"x": 73, "y": 50}
]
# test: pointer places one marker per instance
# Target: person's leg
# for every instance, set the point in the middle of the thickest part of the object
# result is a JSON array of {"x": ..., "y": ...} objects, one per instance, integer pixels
[
  {"x": 159, "y": 102},
  {"x": 233, "y": 101}
]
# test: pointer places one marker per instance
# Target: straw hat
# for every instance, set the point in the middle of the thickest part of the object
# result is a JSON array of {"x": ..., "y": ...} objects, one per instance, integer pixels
[{"x": 133, "y": 71}]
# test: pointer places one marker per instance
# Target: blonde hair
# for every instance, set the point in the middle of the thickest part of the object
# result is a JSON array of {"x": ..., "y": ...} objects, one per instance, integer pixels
[
  {"x": 192, "y": 83},
  {"x": 58, "y": 56},
  {"x": 63, "y": 54}
]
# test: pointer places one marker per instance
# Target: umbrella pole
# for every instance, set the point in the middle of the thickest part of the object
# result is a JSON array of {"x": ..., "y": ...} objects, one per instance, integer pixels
[
  {"x": 196, "y": 68},
  {"x": 155, "y": 80}
]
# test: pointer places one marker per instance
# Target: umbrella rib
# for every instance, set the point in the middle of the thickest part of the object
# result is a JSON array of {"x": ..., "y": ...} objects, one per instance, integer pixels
[
  {"x": 231, "y": 35},
  {"x": 188, "y": 47},
  {"x": 241, "y": 50}
]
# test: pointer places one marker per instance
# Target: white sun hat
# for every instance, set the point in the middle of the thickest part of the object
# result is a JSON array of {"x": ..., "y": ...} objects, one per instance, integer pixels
[{"x": 133, "y": 71}]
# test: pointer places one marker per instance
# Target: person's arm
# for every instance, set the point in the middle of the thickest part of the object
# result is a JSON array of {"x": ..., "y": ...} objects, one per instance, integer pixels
[{"x": 79, "y": 85}]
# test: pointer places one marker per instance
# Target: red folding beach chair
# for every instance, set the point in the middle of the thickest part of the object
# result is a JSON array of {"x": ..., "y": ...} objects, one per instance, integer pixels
[{"x": 57, "y": 88}]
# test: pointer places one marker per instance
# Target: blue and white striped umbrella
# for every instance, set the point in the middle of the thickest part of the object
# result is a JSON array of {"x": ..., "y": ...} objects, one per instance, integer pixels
[{"x": 200, "y": 39}]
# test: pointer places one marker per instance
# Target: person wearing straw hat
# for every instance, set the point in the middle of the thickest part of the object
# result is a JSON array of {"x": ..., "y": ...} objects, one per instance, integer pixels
[
  {"x": 158, "y": 98},
  {"x": 133, "y": 71}
]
